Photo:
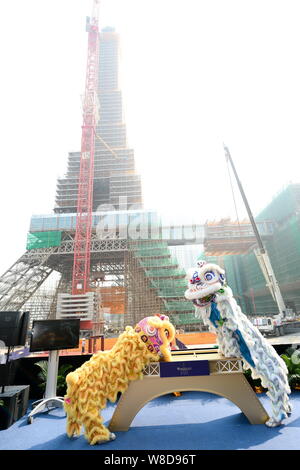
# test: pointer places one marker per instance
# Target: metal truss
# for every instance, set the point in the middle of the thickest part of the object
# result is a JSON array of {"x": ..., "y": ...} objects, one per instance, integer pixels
[
  {"x": 152, "y": 370},
  {"x": 67, "y": 247},
  {"x": 141, "y": 301},
  {"x": 112, "y": 261},
  {"x": 226, "y": 366},
  {"x": 109, "y": 267},
  {"x": 40, "y": 303},
  {"x": 221, "y": 366},
  {"x": 23, "y": 278}
]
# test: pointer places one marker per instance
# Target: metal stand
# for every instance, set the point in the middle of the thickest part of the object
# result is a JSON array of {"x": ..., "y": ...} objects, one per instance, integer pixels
[{"x": 50, "y": 400}]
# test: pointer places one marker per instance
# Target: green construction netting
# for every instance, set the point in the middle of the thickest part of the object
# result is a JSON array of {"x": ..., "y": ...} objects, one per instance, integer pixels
[
  {"x": 158, "y": 262},
  {"x": 165, "y": 272},
  {"x": 184, "y": 319},
  {"x": 243, "y": 272},
  {"x": 247, "y": 281},
  {"x": 283, "y": 205},
  {"x": 171, "y": 292},
  {"x": 43, "y": 240},
  {"x": 149, "y": 244},
  {"x": 284, "y": 254},
  {"x": 143, "y": 253},
  {"x": 150, "y": 248},
  {"x": 284, "y": 251},
  {"x": 234, "y": 276},
  {"x": 262, "y": 305},
  {"x": 168, "y": 283},
  {"x": 179, "y": 306},
  {"x": 254, "y": 278},
  {"x": 169, "y": 287}
]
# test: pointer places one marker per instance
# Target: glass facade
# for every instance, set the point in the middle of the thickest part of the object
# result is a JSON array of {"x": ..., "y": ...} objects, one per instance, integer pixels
[{"x": 120, "y": 224}]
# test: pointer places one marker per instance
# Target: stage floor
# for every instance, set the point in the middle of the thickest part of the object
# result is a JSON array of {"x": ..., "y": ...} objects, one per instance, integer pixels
[{"x": 193, "y": 421}]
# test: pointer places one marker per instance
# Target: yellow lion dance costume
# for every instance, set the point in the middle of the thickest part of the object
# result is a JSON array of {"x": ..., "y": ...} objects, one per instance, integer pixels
[{"x": 109, "y": 372}]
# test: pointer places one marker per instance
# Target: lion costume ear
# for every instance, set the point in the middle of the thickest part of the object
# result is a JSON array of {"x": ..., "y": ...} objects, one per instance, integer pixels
[
  {"x": 72, "y": 378},
  {"x": 162, "y": 325},
  {"x": 166, "y": 332}
]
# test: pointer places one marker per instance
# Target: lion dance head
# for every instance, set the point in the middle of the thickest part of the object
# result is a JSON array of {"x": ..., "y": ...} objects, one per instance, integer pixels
[
  {"x": 204, "y": 282},
  {"x": 157, "y": 333}
]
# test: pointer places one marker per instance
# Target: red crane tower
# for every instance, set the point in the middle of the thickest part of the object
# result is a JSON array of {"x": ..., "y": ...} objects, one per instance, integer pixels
[{"x": 82, "y": 243}]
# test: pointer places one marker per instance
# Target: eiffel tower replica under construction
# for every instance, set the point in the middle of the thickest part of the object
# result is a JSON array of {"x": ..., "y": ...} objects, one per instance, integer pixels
[{"x": 133, "y": 274}]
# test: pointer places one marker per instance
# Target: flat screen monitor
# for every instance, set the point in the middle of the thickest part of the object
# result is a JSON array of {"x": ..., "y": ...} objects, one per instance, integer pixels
[{"x": 50, "y": 335}]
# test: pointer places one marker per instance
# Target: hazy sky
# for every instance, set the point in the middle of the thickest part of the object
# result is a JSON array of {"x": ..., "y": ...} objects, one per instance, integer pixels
[{"x": 195, "y": 74}]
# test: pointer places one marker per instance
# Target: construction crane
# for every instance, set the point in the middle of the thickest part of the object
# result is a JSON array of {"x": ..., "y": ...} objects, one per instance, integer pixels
[
  {"x": 82, "y": 302},
  {"x": 261, "y": 254},
  {"x": 81, "y": 264}
]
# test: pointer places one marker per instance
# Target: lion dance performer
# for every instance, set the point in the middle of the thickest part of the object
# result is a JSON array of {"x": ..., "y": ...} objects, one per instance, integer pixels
[
  {"x": 109, "y": 372},
  {"x": 237, "y": 336}
]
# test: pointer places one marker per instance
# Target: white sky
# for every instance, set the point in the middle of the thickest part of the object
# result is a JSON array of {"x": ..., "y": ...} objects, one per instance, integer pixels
[{"x": 195, "y": 74}]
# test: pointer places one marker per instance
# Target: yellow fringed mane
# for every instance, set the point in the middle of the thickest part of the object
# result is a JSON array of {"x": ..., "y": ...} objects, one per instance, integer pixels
[{"x": 105, "y": 375}]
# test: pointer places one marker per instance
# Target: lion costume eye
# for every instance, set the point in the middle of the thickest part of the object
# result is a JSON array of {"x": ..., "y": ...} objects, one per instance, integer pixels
[
  {"x": 167, "y": 333},
  {"x": 209, "y": 276},
  {"x": 150, "y": 330}
]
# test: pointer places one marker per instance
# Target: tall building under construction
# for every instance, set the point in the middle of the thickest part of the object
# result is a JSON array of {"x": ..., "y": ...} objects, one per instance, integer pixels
[
  {"x": 133, "y": 272},
  {"x": 115, "y": 179}
]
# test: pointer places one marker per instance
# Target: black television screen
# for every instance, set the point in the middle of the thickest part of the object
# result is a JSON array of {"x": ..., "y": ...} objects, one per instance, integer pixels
[{"x": 49, "y": 335}]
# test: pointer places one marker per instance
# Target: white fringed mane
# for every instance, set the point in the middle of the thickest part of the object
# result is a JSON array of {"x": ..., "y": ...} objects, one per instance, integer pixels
[{"x": 238, "y": 337}]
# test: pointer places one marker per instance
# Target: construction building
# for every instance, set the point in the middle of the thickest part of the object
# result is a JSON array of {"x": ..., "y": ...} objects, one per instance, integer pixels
[
  {"x": 115, "y": 179},
  {"x": 280, "y": 223},
  {"x": 132, "y": 271}
]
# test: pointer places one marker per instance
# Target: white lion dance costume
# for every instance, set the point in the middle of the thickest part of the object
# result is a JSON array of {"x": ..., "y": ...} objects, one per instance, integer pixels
[
  {"x": 237, "y": 336},
  {"x": 109, "y": 372}
]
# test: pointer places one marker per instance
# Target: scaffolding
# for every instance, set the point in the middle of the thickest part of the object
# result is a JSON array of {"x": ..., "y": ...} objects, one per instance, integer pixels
[
  {"x": 226, "y": 237},
  {"x": 40, "y": 303},
  {"x": 115, "y": 177},
  {"x": 140, "y": 278},
  {"x": 243, "y": 272},
  {"x": 283, "y": 206},
  {"x": 156, "y": 284},
  {"x": 112, "y": 299}
]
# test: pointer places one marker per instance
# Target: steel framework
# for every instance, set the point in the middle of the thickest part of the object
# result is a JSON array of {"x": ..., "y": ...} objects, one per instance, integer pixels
[
  {"x": 81, "y": 266},
  {"x": 133, "y": 285}
]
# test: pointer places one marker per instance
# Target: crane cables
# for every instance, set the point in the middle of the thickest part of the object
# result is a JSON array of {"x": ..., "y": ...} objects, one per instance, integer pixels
[
  {"x": 232, "y": 190},
  {"x": 106, "y": 146}
]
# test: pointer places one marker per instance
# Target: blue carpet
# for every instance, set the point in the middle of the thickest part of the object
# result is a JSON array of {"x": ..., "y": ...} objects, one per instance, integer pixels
[{"x": 194, "y": 421}]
